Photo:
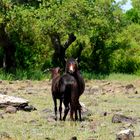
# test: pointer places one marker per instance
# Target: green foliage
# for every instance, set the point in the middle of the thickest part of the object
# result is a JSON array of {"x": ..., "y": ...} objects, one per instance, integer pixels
[
  {"x": 133, "y": 15},
  {"x": 127, "y": 57},
  {"x": 32, "y": 48},
  {"x": 107, "y": 40}
]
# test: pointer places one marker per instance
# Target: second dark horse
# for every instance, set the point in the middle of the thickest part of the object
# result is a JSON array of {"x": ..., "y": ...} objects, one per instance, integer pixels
[{"x": 72, "y": 86}]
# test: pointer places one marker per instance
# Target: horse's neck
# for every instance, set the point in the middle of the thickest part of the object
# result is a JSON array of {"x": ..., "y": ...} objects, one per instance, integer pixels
[
  {"x": 56, "y": 76},
  {"x": 76, "y": 74}
]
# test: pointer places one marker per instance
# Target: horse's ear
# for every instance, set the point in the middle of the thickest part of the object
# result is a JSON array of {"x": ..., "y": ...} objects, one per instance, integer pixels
[
  {"x": 76, "y": 59},
  {"x": 46, "y": 70},
  {"x": 60, "y": 70},
  {"x": 65, "y": 59}
]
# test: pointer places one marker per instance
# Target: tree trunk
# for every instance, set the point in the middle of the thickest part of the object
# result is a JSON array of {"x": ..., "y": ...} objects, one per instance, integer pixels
[
  {"x": 9, "y": 49},
  {"x": 59, "y": 49}
]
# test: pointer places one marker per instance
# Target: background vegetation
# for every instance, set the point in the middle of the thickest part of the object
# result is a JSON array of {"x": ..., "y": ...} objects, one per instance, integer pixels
[{"x": 39, "y": 34}]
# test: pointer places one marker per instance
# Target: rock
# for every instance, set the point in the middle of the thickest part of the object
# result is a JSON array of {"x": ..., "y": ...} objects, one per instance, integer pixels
[
  {"x": 119, "y": 118},
  {"x": 130, "y": 86},
  {"x": 126, "y": 134},
  {"x": 29, "y": 108},
  {"x": 85, "y": 111},
  {"x": 48, "y": 138},
  {"x": 84, "y": 108},
  {"x": 46, "y": 110},
  {"x": 74, "y": 138},
  {"x": 5, "y": 136},
  {"x": 104, "y": 114},
  {"x": 130, "y": 89},
  {"x": 10, "y": 109},
  {"x": 6, "y": 100},
  {"x": 11, "y": 82},
  {"x": 90, "y": 138},
  {"x": 1, "y": 116}
]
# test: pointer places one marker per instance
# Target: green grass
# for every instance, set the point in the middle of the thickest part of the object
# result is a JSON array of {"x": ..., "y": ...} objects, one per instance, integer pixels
[
  {"x": 39, "y": 125},
  {"x": 24, "y": 75},
  {"x": 40, "y": 75},
  {"x": 111, "y": 76},
  {"x": 122, "y": 77}
]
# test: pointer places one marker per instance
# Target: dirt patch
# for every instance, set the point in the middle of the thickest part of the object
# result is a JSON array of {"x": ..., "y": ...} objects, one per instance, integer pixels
[
  {"x": 92, "y": 87},
  {"x": 111, "y": 87}
]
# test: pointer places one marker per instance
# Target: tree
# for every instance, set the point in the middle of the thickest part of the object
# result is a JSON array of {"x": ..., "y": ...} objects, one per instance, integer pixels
[
  {"x": 64, "y": 22},
  {"x": 5, "y": 41},
  {"x": 134, "y": 13}
]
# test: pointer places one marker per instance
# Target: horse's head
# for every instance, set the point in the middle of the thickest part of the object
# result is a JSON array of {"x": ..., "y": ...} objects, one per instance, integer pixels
[
  {"x": 71, "y": 66},
  {"x": 55, "y": 72}
]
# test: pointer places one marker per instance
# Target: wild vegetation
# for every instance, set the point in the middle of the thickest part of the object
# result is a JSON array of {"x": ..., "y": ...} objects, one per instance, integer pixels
[{"x": 37, "y": 34}]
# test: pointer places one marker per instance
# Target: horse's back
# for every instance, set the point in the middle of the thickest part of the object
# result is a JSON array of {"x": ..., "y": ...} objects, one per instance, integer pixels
[
  {"x": 55, "y": 88},
  {"x": 66, "y": 81}
]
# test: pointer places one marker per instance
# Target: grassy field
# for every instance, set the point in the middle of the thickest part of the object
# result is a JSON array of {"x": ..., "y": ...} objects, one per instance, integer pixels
[{"x": 40, "y": 125}]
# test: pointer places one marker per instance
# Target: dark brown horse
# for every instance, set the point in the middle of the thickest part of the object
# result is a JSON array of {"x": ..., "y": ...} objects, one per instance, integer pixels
[
  {"x": 55, "y": 88},
  {"x": 69, "y": 88},
  {"x": 77, "y": 86}
]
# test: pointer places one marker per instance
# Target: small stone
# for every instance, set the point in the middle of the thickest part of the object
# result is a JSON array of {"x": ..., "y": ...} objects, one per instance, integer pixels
[
  {"x": 119, "y": 118},
  {"x": 29, "y": 108},
  {"x": 1, "y": 116},
  {"x": 74, "y": 138},
  {"x": 5, "y": 136},
  {"x": 126, "y": 134},
  {"x": 10, "y": 109}
]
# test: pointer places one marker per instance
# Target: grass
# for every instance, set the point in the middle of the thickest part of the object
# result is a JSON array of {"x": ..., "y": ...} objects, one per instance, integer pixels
[
  {"x": 40, "y": 75},
  {"x": 111, "y": 76},
  {"x": 39, "y": 124},
  {"x": 122, "y": 77},
  {"x": 24, "y": 75}
]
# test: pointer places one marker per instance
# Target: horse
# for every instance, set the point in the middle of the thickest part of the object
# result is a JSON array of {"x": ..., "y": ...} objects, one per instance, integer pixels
[
  {"x": 69, "y": 88},
  {"x": 77, "y": 87},
  {"x": 55, "y": 89}
]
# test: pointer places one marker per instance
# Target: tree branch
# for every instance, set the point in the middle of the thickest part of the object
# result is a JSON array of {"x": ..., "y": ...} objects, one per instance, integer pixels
[
  {"x": 59, "y": 54},
  {"x": 70, "y": 40}
]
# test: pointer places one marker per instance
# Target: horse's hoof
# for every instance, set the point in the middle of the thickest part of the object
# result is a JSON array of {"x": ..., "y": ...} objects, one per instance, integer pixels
[{"x": 64, "y": 119}]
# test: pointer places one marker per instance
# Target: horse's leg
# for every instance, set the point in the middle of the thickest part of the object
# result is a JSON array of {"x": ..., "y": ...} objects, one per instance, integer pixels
[
  {"x": 60, "y": 109},
  {"x": 72, "y": 109},
  {"x": 66, "y": 104},
  {"x": 80, "y": 119},
  {"x": 76, "y": 116},
  {"x": 71, "y": 114},
  {"x": 79, "y": 109},
  {"x": 55, "y": 107}
]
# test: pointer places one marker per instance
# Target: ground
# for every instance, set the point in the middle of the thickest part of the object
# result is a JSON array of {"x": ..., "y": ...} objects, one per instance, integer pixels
[{"x": 101, "y": 100}]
